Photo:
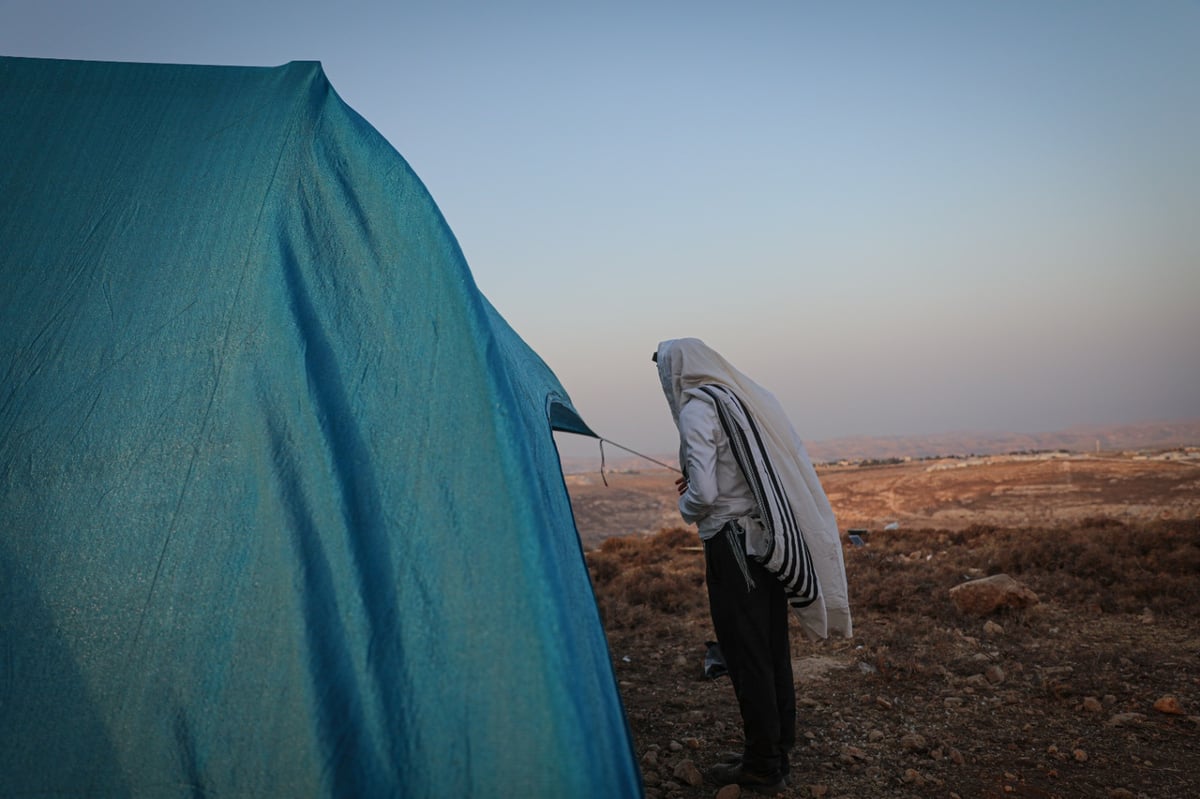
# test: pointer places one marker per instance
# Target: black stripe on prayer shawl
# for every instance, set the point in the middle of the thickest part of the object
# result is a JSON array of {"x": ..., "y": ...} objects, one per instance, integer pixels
[{"x": 795, "y": 569}]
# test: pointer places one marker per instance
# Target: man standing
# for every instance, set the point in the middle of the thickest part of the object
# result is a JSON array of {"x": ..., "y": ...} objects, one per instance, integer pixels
[{"x": 770, "y": 542}]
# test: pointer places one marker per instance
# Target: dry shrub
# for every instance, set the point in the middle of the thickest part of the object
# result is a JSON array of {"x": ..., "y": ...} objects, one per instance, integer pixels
[
  {"x": 1098, "y": 564},
  {"x": 905, "y": 576},
  {"x": 639, "y": 577}
]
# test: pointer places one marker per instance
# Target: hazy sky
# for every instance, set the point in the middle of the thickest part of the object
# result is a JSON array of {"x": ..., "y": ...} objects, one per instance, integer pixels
[{"x": 900, "y": 217}]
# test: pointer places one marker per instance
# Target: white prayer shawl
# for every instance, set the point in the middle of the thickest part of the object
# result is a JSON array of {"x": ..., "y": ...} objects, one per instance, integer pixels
[{"x": 798, "y": 539}]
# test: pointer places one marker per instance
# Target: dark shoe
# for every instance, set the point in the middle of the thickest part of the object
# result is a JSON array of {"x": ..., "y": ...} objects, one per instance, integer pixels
[
  {"x": 736, "y": 774},
  {"x": 733, "y": 758}
]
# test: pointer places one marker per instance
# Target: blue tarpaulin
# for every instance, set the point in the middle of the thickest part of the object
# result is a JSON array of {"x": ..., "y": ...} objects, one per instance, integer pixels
[{"x": 280, "y": 507}]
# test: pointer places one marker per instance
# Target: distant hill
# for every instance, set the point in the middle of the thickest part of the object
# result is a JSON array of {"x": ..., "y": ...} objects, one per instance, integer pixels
[{"x": 1081, "y": 438}]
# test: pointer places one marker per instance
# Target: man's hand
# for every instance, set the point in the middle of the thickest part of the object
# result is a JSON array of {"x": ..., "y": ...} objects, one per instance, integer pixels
[{"x": 681, "y": 485}]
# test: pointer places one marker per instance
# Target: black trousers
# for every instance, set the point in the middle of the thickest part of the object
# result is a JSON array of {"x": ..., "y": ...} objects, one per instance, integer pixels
[{"x": 751, "y": 623}]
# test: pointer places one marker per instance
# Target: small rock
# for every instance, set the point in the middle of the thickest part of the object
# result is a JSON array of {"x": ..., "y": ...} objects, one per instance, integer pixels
[
  {"x": 853, "y": 753},
  {"x": 686, "y": 770},
  {"x": 913, "y": 777},
  {"x": 817, "y": 791},
  {"x": 913, "y": 742},
  {"x": 730, "y": 792},
  {"x": 993, "y": 629},
  {"x": 994, "y": 674},
  {"x": 1169, "y": 705},
  {"x": 1147, "y": 616},
  {"x": 675, "y": 746},
  {"x": 650, "y": 758},
  {"x": 883, "y": 703},
  {"x": 1091, "y": 704},
  {"x": 651, "y": 778},
  {"x": 875, "y": 736},
  {"x": 954, "y": 701},
  {"x": 1126, "y": 719},
  {"x": 1080, "y": 756},
  {"x": 1121, "y": 793},
  {"x": 956, "y": 756},
  {"x": 989, "y": 594}
]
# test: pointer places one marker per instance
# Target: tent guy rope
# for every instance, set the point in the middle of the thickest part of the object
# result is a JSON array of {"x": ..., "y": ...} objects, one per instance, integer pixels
[{"x": 604, "y": 441}]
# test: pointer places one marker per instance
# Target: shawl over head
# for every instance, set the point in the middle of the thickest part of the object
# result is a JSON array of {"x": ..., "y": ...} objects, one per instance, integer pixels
[{"x": 684, "y": 367}]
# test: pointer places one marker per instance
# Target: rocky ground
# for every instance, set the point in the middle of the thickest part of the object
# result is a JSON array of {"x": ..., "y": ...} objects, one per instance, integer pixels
[{"x": 1093, "y": 691}]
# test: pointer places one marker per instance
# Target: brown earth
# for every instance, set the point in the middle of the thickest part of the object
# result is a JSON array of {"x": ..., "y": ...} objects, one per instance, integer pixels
[
  {"x": 947, "y": 493},
  {"x": 1093, "y": 692}
]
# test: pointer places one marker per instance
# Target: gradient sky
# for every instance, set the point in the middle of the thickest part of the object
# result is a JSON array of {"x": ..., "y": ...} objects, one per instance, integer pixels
[{"x": 899, "y": 217}]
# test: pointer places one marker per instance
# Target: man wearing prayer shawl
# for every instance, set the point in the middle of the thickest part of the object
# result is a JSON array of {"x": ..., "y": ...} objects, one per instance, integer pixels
[{"x": 770, "y": 542}]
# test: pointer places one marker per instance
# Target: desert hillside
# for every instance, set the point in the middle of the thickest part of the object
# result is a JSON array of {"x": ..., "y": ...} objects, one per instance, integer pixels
[
  {"x": 947, "y": 493},
  {"x": 1092, "y": 690}
]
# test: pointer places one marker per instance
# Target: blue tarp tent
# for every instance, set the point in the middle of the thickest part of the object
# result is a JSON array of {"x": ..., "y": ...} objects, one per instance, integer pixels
[{"x": 280, "y": 507}]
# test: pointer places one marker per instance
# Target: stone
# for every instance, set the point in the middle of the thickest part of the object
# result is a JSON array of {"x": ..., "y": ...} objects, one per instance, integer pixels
[
  {"x": 1080, "y": 756},
  {"x": 1126, "y": 719},
  {"x": 913, "y": 742},
  {"x": 1091, "y": 704},
  {"x": 1168, "y": 704},
  {"x": 994, "y": 674},
  {"x": 989, "y": 594},
  {"x": 1121, "y": 793},
  {"x": 993, "y": 629},
  {"x": 875, "y": 736},
  {"x": 650, "y": 758},
  {"x": 817, "y": 791},
  {"x": 675, "y": 746},
  {"x": 854, "y": 753},
  {"x": 913, "y": 777},
  {"x": 730, "y": 792},
  {"x": 686, "y": 770}
]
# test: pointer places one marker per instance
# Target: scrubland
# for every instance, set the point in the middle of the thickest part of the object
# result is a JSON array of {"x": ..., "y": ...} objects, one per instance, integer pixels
[{"x": 1094, "y": 691}]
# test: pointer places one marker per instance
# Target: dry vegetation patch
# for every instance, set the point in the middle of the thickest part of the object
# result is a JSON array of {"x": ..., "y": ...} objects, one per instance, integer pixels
[{"x": 1094, "y": 692}]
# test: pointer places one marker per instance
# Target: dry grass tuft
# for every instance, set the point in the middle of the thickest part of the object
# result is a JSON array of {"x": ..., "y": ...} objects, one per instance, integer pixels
[{"x": 640, "y": 578}]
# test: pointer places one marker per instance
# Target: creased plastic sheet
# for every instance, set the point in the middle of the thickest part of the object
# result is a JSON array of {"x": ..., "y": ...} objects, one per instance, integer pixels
[{"x": 281, "y": 509}]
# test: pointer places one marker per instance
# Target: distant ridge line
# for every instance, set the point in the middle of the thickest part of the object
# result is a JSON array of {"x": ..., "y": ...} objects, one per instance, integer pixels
[{"x": 1078, "y": 438}]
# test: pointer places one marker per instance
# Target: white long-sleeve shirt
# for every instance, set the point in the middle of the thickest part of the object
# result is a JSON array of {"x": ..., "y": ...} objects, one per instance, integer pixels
[{"x": 716, "y": 492}]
